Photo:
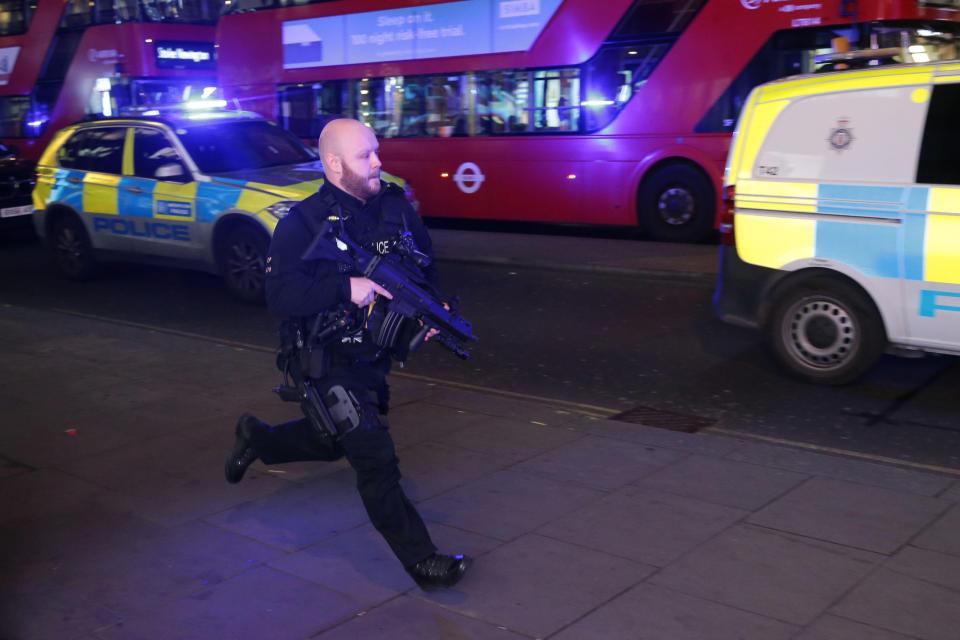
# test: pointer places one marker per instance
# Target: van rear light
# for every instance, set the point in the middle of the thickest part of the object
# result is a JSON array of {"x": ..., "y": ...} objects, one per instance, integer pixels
[{"x": 727, "y": 236}]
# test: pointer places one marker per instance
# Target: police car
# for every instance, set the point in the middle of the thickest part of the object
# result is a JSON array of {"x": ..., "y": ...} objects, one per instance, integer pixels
[
  {"x": 197, "y": 186},
  {"x": 842, "y": 231}
]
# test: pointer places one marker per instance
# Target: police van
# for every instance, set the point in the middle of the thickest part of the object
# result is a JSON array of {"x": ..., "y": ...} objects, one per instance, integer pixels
[
  {"x": 196, "y": 186},
  {"x": 841, "y": 235}
]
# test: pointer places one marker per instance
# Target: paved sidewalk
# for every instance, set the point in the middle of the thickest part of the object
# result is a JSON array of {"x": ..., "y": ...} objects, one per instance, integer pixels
[{"x": 116, "y": 523}]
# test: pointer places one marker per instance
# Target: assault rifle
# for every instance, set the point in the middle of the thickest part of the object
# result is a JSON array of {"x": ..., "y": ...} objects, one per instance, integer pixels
[
  {"x": 413, "y": 296},
  {"x": 337, "y": 412}
]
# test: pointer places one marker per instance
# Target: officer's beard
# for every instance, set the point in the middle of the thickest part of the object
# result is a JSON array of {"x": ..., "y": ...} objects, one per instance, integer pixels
[{"x": 359, "y": 186}]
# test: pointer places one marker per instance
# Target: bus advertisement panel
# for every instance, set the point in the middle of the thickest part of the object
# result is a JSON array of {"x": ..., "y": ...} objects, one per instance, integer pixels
[
  {"x": 570, "y": 111},
  {"x": 63, "y": 61}
]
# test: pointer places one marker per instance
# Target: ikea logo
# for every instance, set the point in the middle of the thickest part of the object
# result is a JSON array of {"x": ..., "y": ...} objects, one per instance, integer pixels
[
  {"x": 932, "y": 301},
  {"x": 142, "y": 228}
]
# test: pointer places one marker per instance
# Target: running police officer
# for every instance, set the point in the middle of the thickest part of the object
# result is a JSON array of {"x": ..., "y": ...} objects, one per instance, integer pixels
[{"x": 298, "y": 289}]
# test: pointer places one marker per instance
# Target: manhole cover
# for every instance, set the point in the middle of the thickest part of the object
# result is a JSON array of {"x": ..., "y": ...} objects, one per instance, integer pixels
[{"x": 650, "y": 417}]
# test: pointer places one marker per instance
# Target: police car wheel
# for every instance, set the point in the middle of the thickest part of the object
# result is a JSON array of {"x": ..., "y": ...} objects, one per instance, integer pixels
[
  {"x": 242, "y": 255},
  {"x": 826, "y": 331},
  {"x": 676, "y": 204},
  {"x": 71, "y": 249}
]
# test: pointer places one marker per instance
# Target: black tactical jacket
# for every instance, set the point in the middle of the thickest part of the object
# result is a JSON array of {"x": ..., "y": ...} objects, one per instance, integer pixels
[{"x": 298, "y": 288}]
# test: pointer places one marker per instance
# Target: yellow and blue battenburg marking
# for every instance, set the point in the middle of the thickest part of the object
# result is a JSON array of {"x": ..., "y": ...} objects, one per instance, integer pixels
[
  {"x": 148, "y": 199},
  {"x": 863, "y": 226}
]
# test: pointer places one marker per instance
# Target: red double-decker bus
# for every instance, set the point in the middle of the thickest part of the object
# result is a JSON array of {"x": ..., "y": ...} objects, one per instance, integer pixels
[
  {"x": 62, "y": 60},
  {"x": 563, "y": 111}
]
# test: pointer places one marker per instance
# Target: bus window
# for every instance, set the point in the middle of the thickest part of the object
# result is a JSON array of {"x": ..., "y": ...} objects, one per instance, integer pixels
[
  {"x": 306, "y": 108},
  {"x": 556, "y": 100},
  {"x": 82, "y": 13},
  {"x": 656, "y": 17},
  {"x": 410, "y": 91},
  {"x": 76, "y": 14},
  {"x": 14, "y": 113},
  {"x": 447, "y": 115},
  {"x": 922, "y": 43},
  {"x": 15, "y": 16},
  {"x": 612, "y": 77},
  {"x": 786, "y": 53},
  {"x": 379, "y": 102},
  {"x": 507, "y": 99}
]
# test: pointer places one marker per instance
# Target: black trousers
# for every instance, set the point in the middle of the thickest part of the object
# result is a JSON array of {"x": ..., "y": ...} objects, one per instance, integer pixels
[{"x": 370, "y": 451}]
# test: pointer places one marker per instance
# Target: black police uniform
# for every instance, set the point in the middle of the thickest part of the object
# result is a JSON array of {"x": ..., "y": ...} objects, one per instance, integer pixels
[{"x": 301, "y": 289}]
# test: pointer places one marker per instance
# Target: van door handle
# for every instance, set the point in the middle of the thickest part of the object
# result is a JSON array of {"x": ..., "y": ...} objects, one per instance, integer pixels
[
  {"x": 134, "y": 189},
  {"x": 75, "y": 180}
]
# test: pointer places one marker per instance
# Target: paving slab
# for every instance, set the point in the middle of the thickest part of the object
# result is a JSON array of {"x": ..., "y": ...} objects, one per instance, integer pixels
[
  {"x": 926, "y": 565},
  {"x": 704, "y": 443},
  {"x": 942, "y": 535},
  {"x": 831, "y": 627},
  {"x": 851, "y": 514},
  {"x": 952, "y": 493},
  {"x": 137, "y": 576},
  {"x": 55, "y": 618},
  {"x": 285, "y": 608},
  {"x": 783, "y": 577},
  {"x": 413, "y": 619},
  {"x": 60, "y": 537},
  {"x": 840, "y": 468},
  {"x": 649, "y": 612},
  {"x": 44, "y": 493},
  {"x": 905, "y": 605},
  {"x": 537, "y": 586},
  {"x": 643, "y": 525},
  {"x": 500, "y": 405},
  {"x": 431, "y": 468},
  {"x": 358, "y": 563},
  {"x": 511, "y": 440},
  {"x": 600, "y": 463},
  {"x": 506, "y": 504},
  {"x": 299, "y": 514},
  {"x": 420, "y": 421},
  {"x": 734, "y": 484}
]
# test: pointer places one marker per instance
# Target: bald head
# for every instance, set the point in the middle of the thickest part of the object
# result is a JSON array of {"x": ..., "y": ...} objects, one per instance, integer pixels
[{"x": 348, "y": 150}]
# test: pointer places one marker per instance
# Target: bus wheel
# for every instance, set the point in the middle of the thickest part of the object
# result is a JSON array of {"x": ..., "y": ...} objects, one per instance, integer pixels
[
  {"x": 71, "y": 249},
  {"x": 242, "y": 254},
  {"x": 825, "y": 331},
  {"x": 676, "y": 204}
]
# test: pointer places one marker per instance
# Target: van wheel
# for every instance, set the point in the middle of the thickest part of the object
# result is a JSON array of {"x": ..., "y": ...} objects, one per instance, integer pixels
[
  {"x": 71, "y": 249},
  {"x": 676, "y": 204},
  {"x": 826, "y": 331},
  {"x": 241, "y": 255}
]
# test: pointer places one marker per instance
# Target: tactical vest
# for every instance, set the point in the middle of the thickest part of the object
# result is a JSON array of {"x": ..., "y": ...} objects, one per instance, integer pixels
[{"x": 383, "y": 331}]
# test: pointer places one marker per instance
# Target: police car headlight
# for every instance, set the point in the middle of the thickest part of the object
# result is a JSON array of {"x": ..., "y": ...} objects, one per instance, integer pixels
[{"x": 282, "y": 208}]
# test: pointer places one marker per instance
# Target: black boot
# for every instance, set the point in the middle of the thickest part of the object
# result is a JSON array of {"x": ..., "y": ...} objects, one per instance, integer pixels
[
  {"x": 439, "y": 571},
  {"x": 243, "y": 454}
]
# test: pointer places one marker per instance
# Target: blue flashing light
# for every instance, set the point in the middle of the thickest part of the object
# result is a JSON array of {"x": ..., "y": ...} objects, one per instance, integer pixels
[
  {"x": 36, "y": 124},
  {"x": 199, "y": 105},
  {"x": 210, "y": 115},
  {"x": 597, "y": 103},
  {"x": 152, "y": 112}
]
